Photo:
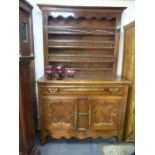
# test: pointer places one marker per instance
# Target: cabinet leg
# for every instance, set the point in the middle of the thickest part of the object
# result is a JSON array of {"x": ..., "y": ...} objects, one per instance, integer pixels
[
  {"x": 42, "y": 140},
  {"x": 42, "y": 135},
  {"x": 119, "y": 139}
]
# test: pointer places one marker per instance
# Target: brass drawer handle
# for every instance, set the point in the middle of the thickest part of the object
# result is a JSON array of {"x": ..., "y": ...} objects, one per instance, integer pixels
[
  {"x": 52, "y": 90},
  {"x": 113, "y": 90}
]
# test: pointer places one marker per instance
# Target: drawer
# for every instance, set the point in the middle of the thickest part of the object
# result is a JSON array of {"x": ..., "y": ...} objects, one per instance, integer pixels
[{"x": 83, "y": 90}]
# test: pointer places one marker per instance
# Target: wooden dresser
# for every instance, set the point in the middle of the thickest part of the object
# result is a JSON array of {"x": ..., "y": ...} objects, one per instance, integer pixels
[{"x": 93, "y": 102}]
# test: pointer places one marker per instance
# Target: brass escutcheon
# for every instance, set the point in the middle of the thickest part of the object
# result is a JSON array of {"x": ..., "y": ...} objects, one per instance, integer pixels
[
  {"x": 113, "y": 90},
  {"x": 52, "y": 90}
]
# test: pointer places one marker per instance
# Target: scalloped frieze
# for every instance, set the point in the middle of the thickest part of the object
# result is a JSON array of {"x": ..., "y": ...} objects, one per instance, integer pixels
[{"x": 73, "y": 15}]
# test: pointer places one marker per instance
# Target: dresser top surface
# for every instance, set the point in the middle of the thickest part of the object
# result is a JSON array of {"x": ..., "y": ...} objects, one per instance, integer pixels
[{"x": 86, "y": 80}]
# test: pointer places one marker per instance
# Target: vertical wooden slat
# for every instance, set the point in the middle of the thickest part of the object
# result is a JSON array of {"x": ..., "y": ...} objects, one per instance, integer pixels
[
  {"x": 45, "y": 37},
  {"x": 129, "y": 73}
]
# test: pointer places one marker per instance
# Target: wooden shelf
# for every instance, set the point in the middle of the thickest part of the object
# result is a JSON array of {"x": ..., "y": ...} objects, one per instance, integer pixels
[
  {"x": 82, "y": 42},
  {"x": 89, "y": 71},
  {"x": 91, "y": 59},
  {"x": 91, "y": 54},
  {"x": 79, "y": 52},
  {"x": 90, "y": 44},
  {"x": 84, "y": 65},
  {"x": 81, "y": 30}
]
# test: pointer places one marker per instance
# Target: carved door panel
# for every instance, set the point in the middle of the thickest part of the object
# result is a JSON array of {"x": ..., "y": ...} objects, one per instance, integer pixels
[
  {"x": 59, "y": 112},
  {"x": 105, "y": 113}
]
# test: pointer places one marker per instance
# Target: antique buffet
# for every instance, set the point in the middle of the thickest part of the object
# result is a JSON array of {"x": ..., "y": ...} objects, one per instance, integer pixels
[{"x": 91, "y": 101}]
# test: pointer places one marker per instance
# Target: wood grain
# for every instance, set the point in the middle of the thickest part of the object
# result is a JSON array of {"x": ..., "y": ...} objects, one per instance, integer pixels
[
  {"x": 84, "y": 29},
  {"x": 82, "y": 114},
  {"x": 27, "y": 98},
  {"x": 93, "y": 102},
  {"x": 129, "y": 73}
]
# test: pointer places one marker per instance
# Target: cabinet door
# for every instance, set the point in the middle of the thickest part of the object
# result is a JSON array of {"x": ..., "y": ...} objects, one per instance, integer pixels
[
  {"x": 105, "y": 113},
  {"x": 59, "y": 112}
]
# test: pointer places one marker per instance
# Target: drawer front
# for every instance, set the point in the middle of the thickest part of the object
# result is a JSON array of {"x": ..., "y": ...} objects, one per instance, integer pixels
[
  {"x": 47, "y": 90},
  {"x": 59, "y": 112}
]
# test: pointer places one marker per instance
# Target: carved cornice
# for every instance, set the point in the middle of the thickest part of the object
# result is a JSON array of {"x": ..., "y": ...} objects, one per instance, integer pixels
[{"x": 76, "y": 12}]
